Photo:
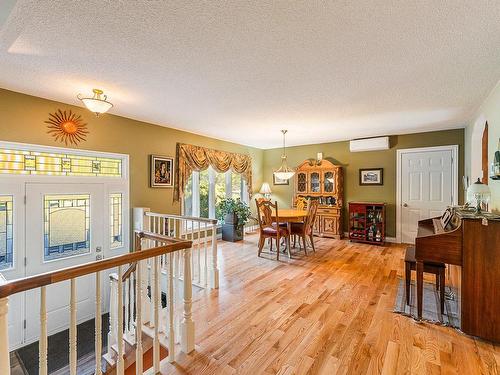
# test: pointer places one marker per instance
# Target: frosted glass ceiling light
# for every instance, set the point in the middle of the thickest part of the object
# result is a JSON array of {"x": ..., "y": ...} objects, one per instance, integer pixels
[
  {"x": 98, "y": 103},
  {"x": 284, "y": 172}
]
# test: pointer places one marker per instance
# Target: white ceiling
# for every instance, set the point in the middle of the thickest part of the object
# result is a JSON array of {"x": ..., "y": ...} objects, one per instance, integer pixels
[{"x": 243, "y": 70}]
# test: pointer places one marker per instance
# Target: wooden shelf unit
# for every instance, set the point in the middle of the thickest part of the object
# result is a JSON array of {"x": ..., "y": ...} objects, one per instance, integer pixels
[
  {"x": 367, "y": 222},
  {"x": 323, "y": 181}
]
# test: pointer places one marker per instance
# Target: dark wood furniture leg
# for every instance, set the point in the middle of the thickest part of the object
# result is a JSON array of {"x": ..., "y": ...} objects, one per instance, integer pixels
[
  {"x": 441, "y": 288},
  {"x": 420, "y": 287},
  {"x": 408, "y": 281}
]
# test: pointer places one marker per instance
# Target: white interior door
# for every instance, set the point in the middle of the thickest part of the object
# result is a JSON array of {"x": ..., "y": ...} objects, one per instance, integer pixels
[
  {"x": 64, "y": 227},
  {"x": 426, "y": 188}
]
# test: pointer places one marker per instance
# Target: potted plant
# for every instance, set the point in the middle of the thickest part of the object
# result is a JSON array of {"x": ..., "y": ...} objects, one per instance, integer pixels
[{"x": 234, "y": 214}]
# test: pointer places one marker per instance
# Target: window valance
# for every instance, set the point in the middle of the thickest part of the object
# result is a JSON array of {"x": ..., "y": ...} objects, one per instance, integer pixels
[{"x": 191, "y": 158}]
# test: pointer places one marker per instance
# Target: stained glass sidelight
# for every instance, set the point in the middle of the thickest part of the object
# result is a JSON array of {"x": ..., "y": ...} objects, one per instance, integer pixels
[
  {"x": 116, "y": 231},
  {"x": 6, "y": 232},
  {"x": 67, "y": 225},
  {"x": 45, "y": 163}
]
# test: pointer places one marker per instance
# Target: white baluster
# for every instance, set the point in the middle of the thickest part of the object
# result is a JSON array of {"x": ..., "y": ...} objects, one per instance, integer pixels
[
  {"x": 156, "y": 310},
  {"x": 171, "y": 309},
  {"x": 205, "y": 252},
  {"x": 72, "y": 329},
  {"x": 120, "y": 365},
  {"x": 215, "y": 269},
  {"x": 113, "y": 311},
  {"x": 192, "y": 251},
  {"x": 4, "y": 332},
  {"x": 198, "y": 249},
  {"x": 138, "y": 316},
  {"x": 131, "y": 305},
  {"x": 98, "y": 324},
  {"x": 42, "y": 344},
  {"x": 127, "y": 304},
  {"x": 187, "y": 326}
]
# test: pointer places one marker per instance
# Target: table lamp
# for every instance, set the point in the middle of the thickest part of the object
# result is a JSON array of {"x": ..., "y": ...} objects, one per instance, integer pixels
[
  {"x": 478, "y": 193},
  {"x": 266, "y": 190}
]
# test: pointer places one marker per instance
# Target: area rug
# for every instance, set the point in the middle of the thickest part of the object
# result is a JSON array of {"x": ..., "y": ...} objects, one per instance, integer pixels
[{"x": 431, "y": 309}]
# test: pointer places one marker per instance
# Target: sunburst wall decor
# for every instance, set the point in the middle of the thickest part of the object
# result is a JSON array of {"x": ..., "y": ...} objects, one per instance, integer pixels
[{"x": 67, "y": 127}]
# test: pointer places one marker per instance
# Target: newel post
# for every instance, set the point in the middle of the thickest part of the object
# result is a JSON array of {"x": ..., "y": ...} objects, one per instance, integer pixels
[
  {"x": 4, "y": 332},
  {"x": 215, "y": 269},
  {"x": 187, "y": 325}
]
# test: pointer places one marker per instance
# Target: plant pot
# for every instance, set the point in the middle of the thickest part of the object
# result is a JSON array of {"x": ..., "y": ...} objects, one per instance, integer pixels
[{"x": 231, "y": 230}]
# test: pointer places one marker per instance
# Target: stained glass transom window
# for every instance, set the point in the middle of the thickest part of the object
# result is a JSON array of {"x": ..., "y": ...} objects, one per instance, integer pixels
[
  {"x": 67, "y": 225},
  {"x": 6, "y": 232},
  {"x": 116, "y": 233},
  {"x": 45, "y": 163}
]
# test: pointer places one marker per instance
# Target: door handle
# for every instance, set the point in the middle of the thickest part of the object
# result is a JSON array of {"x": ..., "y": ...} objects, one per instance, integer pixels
[{"x": 405, "y": 205}]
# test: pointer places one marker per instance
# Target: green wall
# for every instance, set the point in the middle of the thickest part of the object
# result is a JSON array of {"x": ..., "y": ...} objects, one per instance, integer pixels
[
  {"x": 338, "y": 153},
  {"x": 490, "y": 111},
  {"x": 23, "y": 119}
]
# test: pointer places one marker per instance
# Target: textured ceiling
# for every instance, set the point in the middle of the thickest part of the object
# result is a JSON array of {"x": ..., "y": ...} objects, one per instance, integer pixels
[{"x": 243, "y": 70}]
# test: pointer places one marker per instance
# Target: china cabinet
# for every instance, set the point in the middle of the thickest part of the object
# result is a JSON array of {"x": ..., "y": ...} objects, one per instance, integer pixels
[{"x": 322, "y": 180}]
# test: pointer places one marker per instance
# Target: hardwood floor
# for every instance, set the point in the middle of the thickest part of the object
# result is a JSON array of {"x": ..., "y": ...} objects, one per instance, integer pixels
[{"x": 328, "y": 313}]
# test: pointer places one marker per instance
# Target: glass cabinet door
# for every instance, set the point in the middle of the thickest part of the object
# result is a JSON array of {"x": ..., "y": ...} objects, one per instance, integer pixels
[
  {"x": 315, "y": 183},
  {"x": 328, "y": 182},
  {"x": 301, "y": 182}
]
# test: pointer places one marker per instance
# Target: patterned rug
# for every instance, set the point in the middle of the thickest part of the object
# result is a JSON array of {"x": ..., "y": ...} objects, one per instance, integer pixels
[{"x": 431, "y": 309}]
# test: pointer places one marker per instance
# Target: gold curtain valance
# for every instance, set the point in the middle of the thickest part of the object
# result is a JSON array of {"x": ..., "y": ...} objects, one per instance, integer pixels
[{"x": 191, "y": 158}]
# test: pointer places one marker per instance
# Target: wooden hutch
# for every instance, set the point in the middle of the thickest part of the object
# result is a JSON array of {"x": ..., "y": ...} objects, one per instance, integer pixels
[{"x": 324, "y": 181}]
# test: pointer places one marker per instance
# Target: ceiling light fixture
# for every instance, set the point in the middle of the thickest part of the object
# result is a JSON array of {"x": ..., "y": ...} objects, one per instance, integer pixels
[
  {"x": 284, "y": 172},
  {"x": 98, "y": 103}
]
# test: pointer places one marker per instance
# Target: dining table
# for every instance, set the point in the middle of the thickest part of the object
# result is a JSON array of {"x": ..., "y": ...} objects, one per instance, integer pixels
[{"x": 289, "y": 216}]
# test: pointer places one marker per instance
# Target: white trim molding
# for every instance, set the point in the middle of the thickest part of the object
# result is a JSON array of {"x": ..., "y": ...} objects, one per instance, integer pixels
[{"x": 454, "y": 172}]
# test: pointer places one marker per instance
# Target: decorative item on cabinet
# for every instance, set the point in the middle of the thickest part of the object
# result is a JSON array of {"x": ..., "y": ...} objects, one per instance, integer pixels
[
  {"x": 324, "y": 181},
  {"x": 367, "y": 222},
  {"x": 495, "y": 166}
]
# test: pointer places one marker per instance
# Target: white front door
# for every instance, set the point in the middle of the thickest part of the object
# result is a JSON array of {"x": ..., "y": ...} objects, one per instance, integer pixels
[
  {"x": 64, "y": 227},
  {"x": 426, "y": 187}
]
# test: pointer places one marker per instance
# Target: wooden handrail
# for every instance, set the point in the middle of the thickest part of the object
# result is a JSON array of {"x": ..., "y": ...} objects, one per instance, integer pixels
[
  {"x": 189, "y": 218},
  {"x": 31, "y": 282}
]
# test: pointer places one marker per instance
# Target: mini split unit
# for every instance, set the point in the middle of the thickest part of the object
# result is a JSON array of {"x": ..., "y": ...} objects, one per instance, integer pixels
[{"x": 369, "y": 144}]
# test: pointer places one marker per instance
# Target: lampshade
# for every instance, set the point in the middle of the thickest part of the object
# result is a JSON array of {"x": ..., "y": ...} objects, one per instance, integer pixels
[
  {"x": 265, "y": 189},
  {"x": 98, "y": 103},
  {"x": 284, "y": 172},
  {"x": 478, "y": 193}
]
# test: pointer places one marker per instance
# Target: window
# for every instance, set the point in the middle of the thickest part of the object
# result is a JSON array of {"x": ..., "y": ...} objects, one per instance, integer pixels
[
  {"x": 6, "y": 227},
  {"x": 67, "y": 225},
  {"x": 58, "y": 164},
  {"x": 115, "y": 219},
  {"x": 207, "y": 188}
]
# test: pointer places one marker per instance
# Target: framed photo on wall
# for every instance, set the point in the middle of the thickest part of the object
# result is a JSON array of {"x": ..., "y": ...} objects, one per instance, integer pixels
[
  {"x": 279, "y": 181},
  {"x": 372, "y": 176},
  {"x": 162, "y": 171}
]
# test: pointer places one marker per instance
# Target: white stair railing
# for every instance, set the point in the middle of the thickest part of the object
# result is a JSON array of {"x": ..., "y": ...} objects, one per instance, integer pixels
[
  {"x": 132, "y": 295},
  {"x": 202, "y": 232}
]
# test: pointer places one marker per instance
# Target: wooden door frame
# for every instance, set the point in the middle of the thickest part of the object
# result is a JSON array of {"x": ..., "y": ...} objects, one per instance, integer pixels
[{"x": 454, "y": 178}]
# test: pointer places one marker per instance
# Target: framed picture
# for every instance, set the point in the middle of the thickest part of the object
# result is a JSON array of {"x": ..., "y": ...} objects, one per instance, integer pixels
[
  {"x": 279, "y": 181},
  {"x": 373, "y": 176},
  {"x": 162, "y": 171}
]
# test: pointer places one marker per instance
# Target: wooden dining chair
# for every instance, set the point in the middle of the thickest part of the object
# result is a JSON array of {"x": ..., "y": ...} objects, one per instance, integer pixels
[
  {"x": 305, "y": 230},
  {"x": 268, "y": 227},
  {"x": 300, "y": 203}
]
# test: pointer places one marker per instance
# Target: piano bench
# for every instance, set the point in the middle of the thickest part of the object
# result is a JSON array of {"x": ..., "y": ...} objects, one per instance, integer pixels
[{"x": 435, "y": 268}]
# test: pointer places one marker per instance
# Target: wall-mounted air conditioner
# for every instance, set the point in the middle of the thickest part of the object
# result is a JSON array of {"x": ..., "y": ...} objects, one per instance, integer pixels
[{"x": 369, "y": 144}]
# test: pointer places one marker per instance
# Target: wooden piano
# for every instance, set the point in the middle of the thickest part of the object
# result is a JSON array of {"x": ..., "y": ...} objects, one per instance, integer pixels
[{"x": 473, "y": 243}]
